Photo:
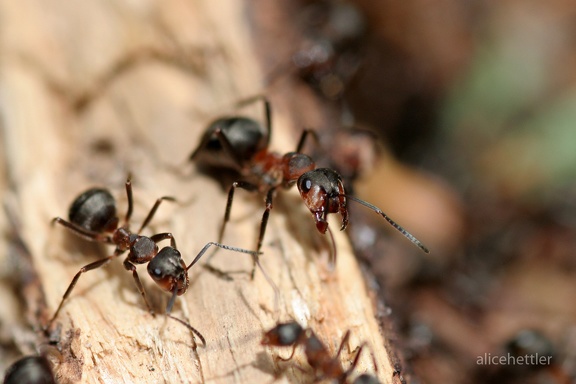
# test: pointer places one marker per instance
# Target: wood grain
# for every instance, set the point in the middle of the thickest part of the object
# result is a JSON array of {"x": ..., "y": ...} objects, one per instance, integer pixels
[{"x": 93, "y": 91}]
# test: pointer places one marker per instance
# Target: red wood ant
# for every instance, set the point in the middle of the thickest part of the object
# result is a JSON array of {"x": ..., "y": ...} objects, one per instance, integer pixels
[
  {"x": 317, "y": 354},
  {"x": 241, "y": 144},
  {"x": 92, "y": 216}
]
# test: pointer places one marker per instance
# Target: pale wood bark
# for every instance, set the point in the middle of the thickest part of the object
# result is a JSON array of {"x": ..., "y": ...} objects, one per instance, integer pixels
[{"x": 68, "y": 124}]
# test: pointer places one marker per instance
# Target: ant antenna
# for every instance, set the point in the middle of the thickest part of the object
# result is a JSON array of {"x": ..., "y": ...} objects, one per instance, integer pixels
[
  {"x": 404, "y": 232},
  {"x": 256, "y": 260},
  {"x": 191, "y": 328}
]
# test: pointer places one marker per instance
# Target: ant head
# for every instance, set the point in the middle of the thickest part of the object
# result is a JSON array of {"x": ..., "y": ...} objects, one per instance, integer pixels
[
  {"x": 323, "y": 193},
  {"x": 295, "y": 165},
  {"x": 230, "y": 142},
  {"x": 168, "y": 270},
  {"x": 94, "y": 210},
  {"x": 283, "y": 334}
]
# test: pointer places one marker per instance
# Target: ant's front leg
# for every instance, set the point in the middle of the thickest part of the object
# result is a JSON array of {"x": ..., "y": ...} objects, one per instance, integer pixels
[
  {"x": 164, "y": 236},
  {"x": 131, "y": 267}
]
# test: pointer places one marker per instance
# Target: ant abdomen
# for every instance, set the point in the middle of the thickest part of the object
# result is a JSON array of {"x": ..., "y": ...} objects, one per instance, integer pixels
[
  {"x": 94, "y": 210},
  {"x": 30, "y": 369},
  {"x": 243, "y": 134}
]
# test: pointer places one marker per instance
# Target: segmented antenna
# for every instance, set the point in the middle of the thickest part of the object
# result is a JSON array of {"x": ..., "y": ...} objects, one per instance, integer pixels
[{"x": 404, "y": 232}]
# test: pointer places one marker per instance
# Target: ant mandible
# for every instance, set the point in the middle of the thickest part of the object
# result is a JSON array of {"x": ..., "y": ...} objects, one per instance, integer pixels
[
  {"x": 241, "y": 144},
  {"x": 317, "y": 354},
  {"x": 92, "y": 216}
]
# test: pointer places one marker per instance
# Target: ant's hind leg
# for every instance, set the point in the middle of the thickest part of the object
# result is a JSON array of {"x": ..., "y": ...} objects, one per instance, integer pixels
[
  {"x": 86, "y": 268},
  {"x": 82, "y": 232}
]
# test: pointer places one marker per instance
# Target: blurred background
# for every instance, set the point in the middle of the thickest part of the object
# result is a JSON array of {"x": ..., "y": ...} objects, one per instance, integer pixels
[{"x": 458, "y": 119}]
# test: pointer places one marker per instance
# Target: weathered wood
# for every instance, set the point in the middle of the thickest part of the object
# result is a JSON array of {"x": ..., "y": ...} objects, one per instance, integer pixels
[{"x": 92, "y": 91}]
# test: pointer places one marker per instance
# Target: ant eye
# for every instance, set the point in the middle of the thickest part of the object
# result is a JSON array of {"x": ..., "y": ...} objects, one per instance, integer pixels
[
  {"x": 306, "y": 185},
  {"x": 157, "y": 272}
]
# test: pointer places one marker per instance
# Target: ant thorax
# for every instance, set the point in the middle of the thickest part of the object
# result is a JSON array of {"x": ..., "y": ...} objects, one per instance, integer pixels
[{"x": 265, "y": 170}]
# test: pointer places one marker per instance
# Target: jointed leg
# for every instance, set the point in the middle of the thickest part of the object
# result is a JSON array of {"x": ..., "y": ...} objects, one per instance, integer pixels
[
  {"x": 267, "y": 112},
  {"x": 342, "y": 343},
  {"x": 86, "y": 268},
  {"x": 131, "y": 267},
  {"x": 263, "y": 225},
  {"x": 163, "y": 236},
  {"x": 82, "y": 232},
  {"x": 153, "y": 211},
  {"x": 130, "y": 201},
  {"x": 237, "y": 184},
  {"x": 307, "y": 132}
]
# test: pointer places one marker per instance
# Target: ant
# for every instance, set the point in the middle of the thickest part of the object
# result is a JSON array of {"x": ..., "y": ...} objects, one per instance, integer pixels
[
  {"x": 30, "y": 370},
  {"x": 92, "y": 216},
  {"x": 317, "y": 354},
  {"x": 241, "y": 144}
]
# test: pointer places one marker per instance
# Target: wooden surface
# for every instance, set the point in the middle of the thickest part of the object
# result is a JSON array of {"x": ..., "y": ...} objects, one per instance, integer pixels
[{"x": 92, "y": 91}]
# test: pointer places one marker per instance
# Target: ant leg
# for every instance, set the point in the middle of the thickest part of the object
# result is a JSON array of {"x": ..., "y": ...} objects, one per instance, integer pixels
[
  {"x": 237, "y": 184},
  {"x": 267, "y": 112},
  {"x": 86, "y": 268},
  {"x": 153, "y": 211},
  {"x": 130, "y": 200},
  {"x": 356, "y": 359},
  {"x": 82, "y": 232},
  {"x": 163, "y": 236},
  {"x": 305, "y": 133},
  {"x": 344, "y": 340},
  {"x": 226, "y": 147},
  {"x": 291, "y": 355},
  {"x": 263, "y": 225},
  {"x": 131, "y": 267}
]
